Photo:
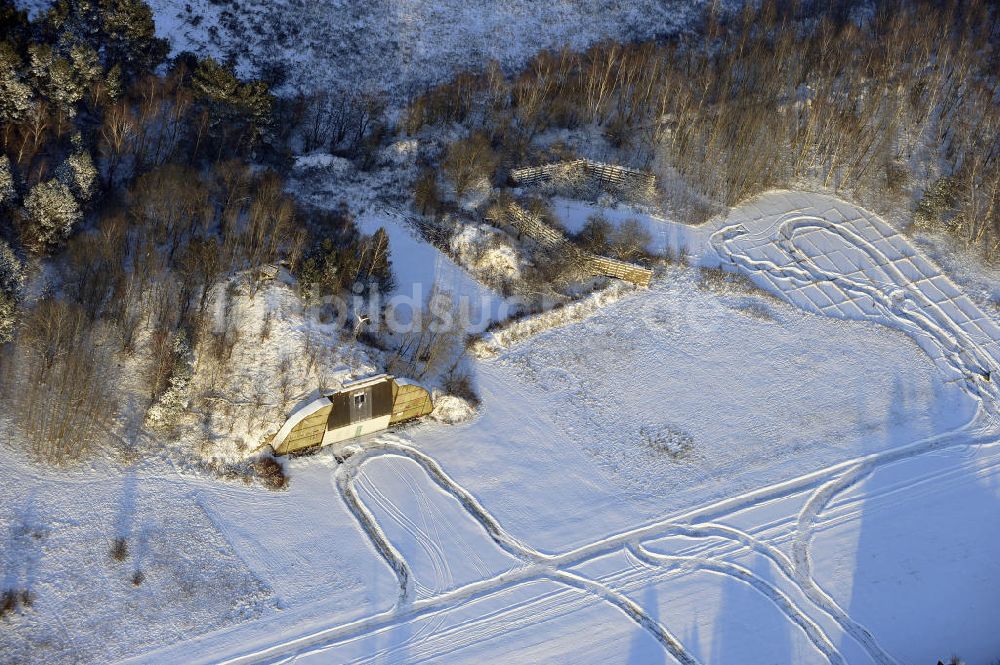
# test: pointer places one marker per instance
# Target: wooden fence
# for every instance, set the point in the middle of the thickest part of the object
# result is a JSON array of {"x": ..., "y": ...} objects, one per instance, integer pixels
[
  {"x": 536, "y": 228},
  {"x": 618, "y": 177},
  {"x": 629, "y": 272}
]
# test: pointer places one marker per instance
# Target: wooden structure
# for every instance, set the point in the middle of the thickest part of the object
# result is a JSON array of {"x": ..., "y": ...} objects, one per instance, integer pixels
[
  {"x": 544, "y": 234},
  {"x": 631, "y": 182},
  {"x": 359, "y": 407}
]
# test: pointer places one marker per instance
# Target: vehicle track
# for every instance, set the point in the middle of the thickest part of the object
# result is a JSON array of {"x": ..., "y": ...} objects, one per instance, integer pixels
[
  {"x": 370, "y": 526},
  {"x": 439, "y": 561},
  {"x": 811, "y": 629},
  {"x": 497, "y": 534},
  {"x": 900, "y": 305},
  {"x": 538, "y": 565},
  {"x": 802, "y": 581}
]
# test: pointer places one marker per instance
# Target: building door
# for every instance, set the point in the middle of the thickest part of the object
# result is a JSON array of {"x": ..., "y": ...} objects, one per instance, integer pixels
[{"x": 361, "y": 405}]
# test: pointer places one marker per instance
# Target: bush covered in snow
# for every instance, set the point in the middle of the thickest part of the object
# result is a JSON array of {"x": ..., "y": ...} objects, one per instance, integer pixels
[
  {"x": 673, "y": 441},
  {"x": 451, "y": 409},
  {"x": 488, "y": 252},
  {"x": 164, "y": 413}
]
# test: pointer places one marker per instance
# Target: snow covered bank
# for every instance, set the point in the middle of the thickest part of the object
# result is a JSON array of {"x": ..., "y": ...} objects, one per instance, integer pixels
[{"x": 517, "y": 330}]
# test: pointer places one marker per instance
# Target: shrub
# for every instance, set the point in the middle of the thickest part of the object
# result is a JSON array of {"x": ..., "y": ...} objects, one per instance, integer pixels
[
  {"x": 460, "y": 384},
  {"x": 119, "y": 549},
  {"x": 9, "y": 601},
  {"x": 630, "y": 241},
  {"x": 595, "y": 236},
  {"x": 270, "y": 473},
  {"x": 937, "y": 202}
]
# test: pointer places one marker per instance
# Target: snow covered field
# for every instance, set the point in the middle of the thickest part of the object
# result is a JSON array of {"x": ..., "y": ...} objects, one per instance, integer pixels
[
  {"x": 673, "y": 479},
  {"x": 698, "y": 472}
]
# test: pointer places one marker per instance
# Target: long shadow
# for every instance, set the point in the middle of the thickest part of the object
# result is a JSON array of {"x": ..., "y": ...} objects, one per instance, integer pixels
[
  {"x": 734, "y": 624},
  {"x": 780, "y": 643},
  {"x": 639, "y": 649},
  {"x": 23, "y": 550},
  {"x": 125, "y": 519},
  {"x": 921, "y": 580}
]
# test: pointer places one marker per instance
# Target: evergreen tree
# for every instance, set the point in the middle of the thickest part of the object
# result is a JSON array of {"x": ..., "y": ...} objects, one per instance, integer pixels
[
  {"x": 234, "y": 107},
  {"x": 7, "y": 190},
  {"x": 14, "y": 24},
  {"x": 121, "y": 32},
  {"x": 51, "y": 211},
  {"x": 15, "y": 94},
  {"x": 79, "y": 174},
  {"x": 11, "y": 283}
]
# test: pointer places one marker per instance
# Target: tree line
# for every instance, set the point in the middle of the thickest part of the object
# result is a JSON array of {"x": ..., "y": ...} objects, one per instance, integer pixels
[
  {"x": 130, "y": 186},
  {"x": 893, "y": 103}
]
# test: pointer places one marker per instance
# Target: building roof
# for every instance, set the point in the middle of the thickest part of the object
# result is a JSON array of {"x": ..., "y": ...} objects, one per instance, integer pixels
[{"x": 296, "y": 417}]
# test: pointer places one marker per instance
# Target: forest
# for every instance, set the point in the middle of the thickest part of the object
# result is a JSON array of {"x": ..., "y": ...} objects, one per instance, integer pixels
[
  {"x": 133, "y": 182},
  {"x": 893, "y": 104},
  {"x": 130, "y": 185}
]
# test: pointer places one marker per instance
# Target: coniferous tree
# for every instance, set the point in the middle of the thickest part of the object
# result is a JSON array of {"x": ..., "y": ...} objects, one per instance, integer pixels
[
  {"x": 51, "y": 212},
  {"x": 11, "y": 283}
]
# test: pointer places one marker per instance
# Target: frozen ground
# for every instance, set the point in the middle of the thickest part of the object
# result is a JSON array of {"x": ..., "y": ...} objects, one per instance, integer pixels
[{"x": 677, "y": 478}]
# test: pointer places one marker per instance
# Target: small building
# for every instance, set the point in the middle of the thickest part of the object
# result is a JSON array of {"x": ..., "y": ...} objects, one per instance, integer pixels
[{"x": 359, "y": 407}]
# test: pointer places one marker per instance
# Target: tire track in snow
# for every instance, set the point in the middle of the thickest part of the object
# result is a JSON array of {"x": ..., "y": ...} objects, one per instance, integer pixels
[
  {"x": 319, "y": 640},
  {"x": 437, "y": 557},
  {"x": 800, "y": 579},
  {"x": 438, "y": 523},
  {"x": 805, "y": 584},
  {"x": 901, "y": 305},
  {"x": 630, "y": 608},
  {"x": 778, "y": 598},
  {"x": 371, "y": 528},
  {"x": 507, "y": 542},
  {"x": 902, "y": 308},
  {"x": 472, "y": 506}
]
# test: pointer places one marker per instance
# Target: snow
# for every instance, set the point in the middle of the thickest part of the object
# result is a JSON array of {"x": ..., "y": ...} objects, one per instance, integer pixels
[
  {"x": 911, "y": 553},
  {"x": 667, "y": 236},
  {"x": 422, "y": 270},
  {"x": 57, "y": 531},
  {"x": 429, "y": 530},
  {"x": 402, "y": 45},
  {"x": 669, "y": 477},
  {"x": 323, "y": 161}
]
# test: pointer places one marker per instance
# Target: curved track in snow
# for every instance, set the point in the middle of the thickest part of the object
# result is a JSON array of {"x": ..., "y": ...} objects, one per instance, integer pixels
[
  {"x": 786, "y": 605},
  {"x": 613, "y": 587},
  {"x": 541, "y": 565},
  {"x": 898, "y": 303}
]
